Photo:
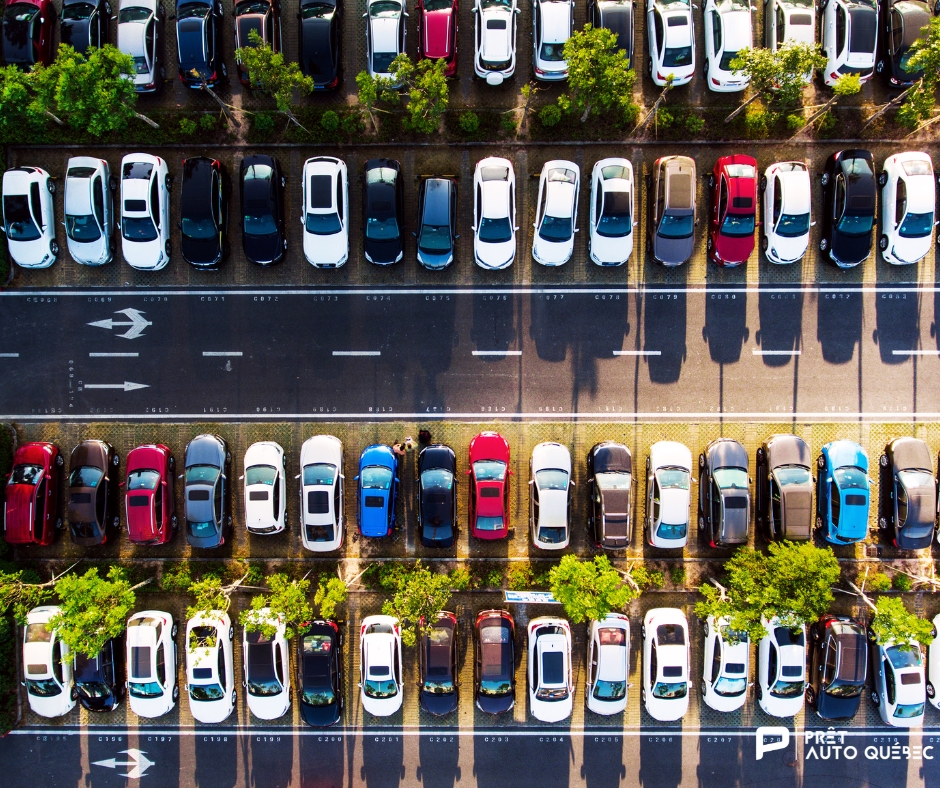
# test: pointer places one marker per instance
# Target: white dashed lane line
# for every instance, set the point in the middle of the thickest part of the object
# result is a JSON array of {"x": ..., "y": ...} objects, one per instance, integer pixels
[
  {"x": 638, "y": 352},
  {"x": 9, "y": 355},
  {"x": 113, "y": 355},
  {"x": 915, "y": 352},
  {"x": 357, "y": 352},
  {"x": 756, "y": 352},
  {"x": 497, "y": 352},
  {"x": 223, "y": 353}
]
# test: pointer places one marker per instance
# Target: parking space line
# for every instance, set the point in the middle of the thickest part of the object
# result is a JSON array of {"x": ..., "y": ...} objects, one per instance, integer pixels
[
  {"x": 497, "y": 352},
  {"x": 357, "y": 352},
  {"x": 756, "y": 352},
  {"x": 113, "y": 355},
  {"x": 215, "y": 353},
  {"x": 638, "y": 352},
  {"x": 915, "y": 352},
  {"x": 9, "y": 355}
]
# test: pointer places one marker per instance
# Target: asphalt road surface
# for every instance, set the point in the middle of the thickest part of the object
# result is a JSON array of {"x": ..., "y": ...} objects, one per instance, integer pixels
[{"x": 817, "y": 353}]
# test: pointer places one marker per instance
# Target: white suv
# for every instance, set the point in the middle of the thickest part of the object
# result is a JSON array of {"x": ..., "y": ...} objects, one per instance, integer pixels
[
  {"x": 551, "y": 687},
  {"x": 325, "y": 212},
  {"x": 785, "y": 188},
  {"x": 145, "y": 211},
  {"x": 556, "y": 213},
  {"x": 210, "y": 667},
  {"x": 908, "y": 201},
  {"x": 321, "y": 493},
  {"x": 381, "y": 679},
  {"x": 849, "y": 38},
  {"x": 668, "y": 501},
  {"x": 47, "y": 665},
  {"x": 89, "y": 210},
  {"x": 28, "y": 217},
  {"x": 494, "y": 58},
  {"x": 494, "y": 213},
  {"x": 151, "y": 663},
  {"x": 727, "y": 31}
]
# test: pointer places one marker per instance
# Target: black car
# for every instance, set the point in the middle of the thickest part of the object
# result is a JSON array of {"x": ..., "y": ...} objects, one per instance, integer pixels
[
  {"x": 437, "y": 665},
  {"x": 93, "y": 508},
  {"x": 320, "y": 668},
  {"x": 616, "y": 16},
  {"x": 610, "y": 487},
  {"x": 908, "y": 493},
  {"x": 902, "y": 22},
  {"x": 206, "y": 491},
  {"x": 262, "y": 17},
  {"x": 838, "y": 667},
  {"x": 494, "y": 661},
  {"x": 724, "y": 500},
  {"x": 99, "y": 680},
  {"x": 437, "y": 222},
  {"x": 85, "y": 23},
  {"x": 321, "y": 28},
  {"x": 382, "y": 199},
  {"x": 263, "y": 237},
  {"x": 199, "y": 42},
  {"x": 848, "y": 183},
  {"x": 203, "y": 212},
  {"x": 437, "y": 496}
]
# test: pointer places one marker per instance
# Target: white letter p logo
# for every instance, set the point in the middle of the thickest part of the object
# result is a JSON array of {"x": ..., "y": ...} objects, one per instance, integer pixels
[{"x": 770, "y": 738}]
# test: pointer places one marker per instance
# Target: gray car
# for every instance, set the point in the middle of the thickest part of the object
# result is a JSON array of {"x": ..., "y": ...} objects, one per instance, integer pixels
[
  {"x": 724, "y": 498},
  {"x": 208, "y": 518},
  {"x": 437, "y": 222},
  {"x": 670, "y": 197},
  {"x": 908, "y": 493},
  {"x": 784, "y": 499}
]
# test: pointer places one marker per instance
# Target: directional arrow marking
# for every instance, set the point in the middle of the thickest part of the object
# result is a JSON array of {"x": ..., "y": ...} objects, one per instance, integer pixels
[
  {"x": 126, "y": 385},
  {"x": 137, "y": 323},
  {"x": 139, "y": 763}
]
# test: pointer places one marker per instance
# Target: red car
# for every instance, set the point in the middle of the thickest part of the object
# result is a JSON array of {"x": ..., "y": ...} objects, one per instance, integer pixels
[
  {"x": 489, "y": 486},
  {"x": 31, "y": 514},
  {"x": 149, "y": 500},
  {"x": 733, "y": 185},
  {"x": 27, "y": 33},
  {"x": 437, "y": 32}
]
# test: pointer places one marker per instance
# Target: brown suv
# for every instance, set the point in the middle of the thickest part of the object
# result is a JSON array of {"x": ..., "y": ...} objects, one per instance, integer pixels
[{"x": 670, "y": 198}]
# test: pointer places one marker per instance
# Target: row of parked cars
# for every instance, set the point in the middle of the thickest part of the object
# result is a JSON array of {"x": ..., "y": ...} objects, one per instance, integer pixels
[
  {"x": 142, "y": 665},
  {"x": 783, "y": 506},
  {"x": 849, "y": 183}
]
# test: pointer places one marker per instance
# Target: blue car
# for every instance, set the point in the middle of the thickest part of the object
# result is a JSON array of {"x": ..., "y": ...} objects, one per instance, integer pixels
[
  {"x": 842, "y": 492},
  {"x": 378, "y": 490}
]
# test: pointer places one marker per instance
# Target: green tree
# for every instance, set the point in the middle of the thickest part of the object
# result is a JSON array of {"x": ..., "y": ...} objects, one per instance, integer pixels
[
  {"x": 330, "y": 593},
  {"x": 894, "y": 622},
  {"x": 777, "y": 77},
  {"x": 372, "y": 90},
  {"x": 19, "y": 593},
  {"x": 599, "y": 77},
  {"x": 288, "y": 600},
  {"x": 846, "y": 85},
  {"x": 921, "y": 99},
  {"x": 20, "y": 107},
  {"x": 590, "y": 589},
  {"x": 426, "y": 88},
  {"x": 418, "y": 594},
  {"x": 271, "y": 75}
]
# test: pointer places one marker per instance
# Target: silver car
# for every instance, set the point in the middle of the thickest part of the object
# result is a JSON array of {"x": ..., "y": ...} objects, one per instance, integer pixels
[{"x": 89, "y": 210}]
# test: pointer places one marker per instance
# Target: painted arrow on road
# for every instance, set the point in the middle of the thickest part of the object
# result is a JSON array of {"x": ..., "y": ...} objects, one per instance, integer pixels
[
  {"x": 126, "y": 385},
  {"x": 137, "y": 323},
  {"x": 139, "y": 763}
]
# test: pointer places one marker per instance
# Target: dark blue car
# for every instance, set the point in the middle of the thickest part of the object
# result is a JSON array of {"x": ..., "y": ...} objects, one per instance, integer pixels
[
  {"x": 842, "y": 492},
  {"x": 377, "y": 490}
]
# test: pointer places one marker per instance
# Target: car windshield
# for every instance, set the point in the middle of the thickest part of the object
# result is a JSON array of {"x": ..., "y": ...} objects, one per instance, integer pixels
[
  {"x": 904, "y": 656},
  {"x": 380, "y": 688},
  {"x": 726, "y": 58},
  {"x": 201, "y": 530},
  {"x": 319, "y": 474},
  {"x": 610, "y": 690},
  {"x": 555, "y": 228},
  {"x": 382, "y": 61},
  {"x": 907, "y": 711},
  {"x": 731, "y": 478},
  {"x": 671, "y": 531},
  {"x": 386, "y": 9},
  {"x": 729, "y": 688},
  {"x": 434, "y": 238},
  {"x": 677, "y": 56},
  {"x": 205, "y": 692},
  {"x": 851, "y": 479},
  {"x": 437, "y": 5},
  {"x": 258, "y": 218},
  {"x": 495, "y": 231},
  {"x": 202, "y": 473},
  {"x": 82, "y": 229},
  {"x": 198, "y": 228},
  {"x": 143, "y": 480},
  {"x": 319, "y": 696},
  {"x": 43, "y": 688},
  {"x": 840, "y": 690},
  {"x": 552, "y": 479},
  {"x": 382, "y": 229},
  {"x": 145, "y": 689},
  {"x": 854, "y": 224},
  {"x": 673, "y": 478},
  {"x": 134, "y": 13},
  {"x": 438, "y": 686},
  {"x": 26, "y": 474},
  {"x": 738, "y": 225},
  {"x": 93, "y": 689},
  {"x": 612, "y": 481},
  {"x": 323, "y": 223},
  {"x": 793, "y": 225},
  {"x": 85, "y": 476},
  {"x": 792, "y": 474},
  {"x": 673, "y": 226},
  {"x": 554, "y": 53},
  {"x": 20, "y": 225},
  {"x": 787, "y": 689},
  {"x": 317, "y": 11},
  {"x": 438, "y": 479},
  {"x": 138, "y": 228},
  {"x": 552, "y": 535},
  {"x": 668, "y": 690},
  {"x": 375, "y": 477},
  {"x": 615, "y": 220},
  {"x": 916, "y": 225},
  {"x": 913, "y": 480},
  {"x": 489, "y": 470},
  {"x": 260, "y": 474},
  {"x": 77, "y": 12},
  {"x": 506, "y": 4}
]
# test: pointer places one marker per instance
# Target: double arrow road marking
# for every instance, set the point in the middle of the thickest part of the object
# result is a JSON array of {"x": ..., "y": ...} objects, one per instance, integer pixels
[{"x": 136, "y": 323}]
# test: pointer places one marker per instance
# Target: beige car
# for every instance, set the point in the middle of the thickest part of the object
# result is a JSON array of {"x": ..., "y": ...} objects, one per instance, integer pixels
[{"x": 670, "y": 196}]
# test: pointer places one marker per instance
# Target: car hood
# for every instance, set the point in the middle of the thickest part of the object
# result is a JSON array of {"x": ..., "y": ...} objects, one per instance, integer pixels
[
  {"x": 727, "y": 454},
  {"x": 495, "y": 704},
  {"x": 437, "y": 26},
  {"x": 787, "y": 450},
  {"x": 316, "y": 58},
  {"x": 552, "y": 252},
  {"x": 320, "y": 716},
  {"x": 551, "y": 456},
  {"x": 263, "y": 248},
  {"x": 910, "y": 453},
  {"x": 326, "y": 249},
  {"x": 673, "y": 251},
  {"x": 850, "y": 249},
  {"x": 19, "y": 512},
  {"x": 831, "y": 707},
  {"x": 201, "y": 251},
  {"x": 798, "y": 509},
  {"x": 842, "y": 453},
  {"x": 734, "y": 249},
  {"x": 205, "y": 452},
  {"x": 439, "y": 705}
]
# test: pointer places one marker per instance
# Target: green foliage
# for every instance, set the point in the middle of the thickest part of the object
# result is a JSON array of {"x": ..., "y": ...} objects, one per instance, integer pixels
[
  {"x": 589, "y": 590},
  {"x": 847, "y": 85},
  {"x": 352, "y": 123},
  {"x": 20, "y": 593},
  {"x": 646, "y": 578},
  {"x": 177, "y": 578},
  {"x": 469, "y": 122},
  {"x": 419, "y": 594},
  {"x": 893, "y": 622},
  {"x": 902, "y": 582},
  {"x": 493, "y": 579},
  {"x": 919, "y": 103},
  {"x": 209, "y": 595},
  {"x": 19, "y": 109},
  {"x": 779, "y": 76},
  {"x": 599, "y": 77},
  {"x": 427, "y": 90},
  {"x": 460, "y": 579},
  {"x": 8, "y": 677},
  {"x": 263, "y": 123},
  {"x": 795, "y": 122},
  {"x": 549, "y": 115},
  {"x": 757, "y": 120},
  {"x": 330, "y": 593},
  {"x": 270, "y": 74},
  {"x": 664, "y": 118},
  {"x": 694, "y": 125},
  {"x": 288, "y": 599},
  {"x": 187, "y": 126},
  {"x": 329, "y": 120},
  {"x": 827, "y": 123},
  {"x": 878, "y": 581},
  {"x": 509, "y": 124},
  {"x": 207, "y": 122},
  {"x": 677, "y": 574},
  {"x": 519, "y": 577}
]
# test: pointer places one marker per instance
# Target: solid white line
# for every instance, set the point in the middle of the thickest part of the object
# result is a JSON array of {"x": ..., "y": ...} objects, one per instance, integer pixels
[
  {"x": 638, "y": 352},
  {"x": 756, "y": 352},
  {"x": 216, "y": 353},
  {"x": 113, "y": 355},
  {"x": 497, "y": 352},
  {"x": 357, "y": 352},
  {"x": 915, "y": 352},
  {"x": 9, "y": 355}
]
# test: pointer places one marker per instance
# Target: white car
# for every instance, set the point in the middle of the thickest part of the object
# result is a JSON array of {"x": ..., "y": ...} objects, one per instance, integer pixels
[
  {"x": 385, "y": 36},
  {"x": 551, "y": 687},
  {"x": 727, "y": 31},
  {"x": 89, "y": 210},
  {"x": 789, "y": 22},
  {"x": 28, "y": 217},
  {"x": 151, "y": 663},
  {"x": 381, "y": 679},
  {"x": 849, "y": 39},
  {"x": 210, "y": 666},
  {"x": 140, "y": 35},
  {"x": 933, "y": 667},
  {"x": 668, "y": 497},
  {"x": 724, "y": 676},
  {"x": 608, "y": 666},
  {"x": 145, "y": 211},
  {"x": 781, "y": 669},
  {"x": 321, "y": 493},
  {"x": 556, "y": 212},
  {"x": 47, "y": 665},
  {"x": 494, "y": 58},
  {"x": 552, "y": 25},
  {"x": 613, "y": 208},
  {"x": 671, "y": 36},
  {"x": 787, "y": 196},
  {"x": 494, "y": 213},
  {"x": 266, "y": 662},
  {"x": 899, "y": 691},
  {"x": 325, "y": 213},
  {"x": 265, "y": 488},
  {"x": 908, "y": 200},
  {"x": 550, "y": 496},
  {"x": 666, "y": 660}
]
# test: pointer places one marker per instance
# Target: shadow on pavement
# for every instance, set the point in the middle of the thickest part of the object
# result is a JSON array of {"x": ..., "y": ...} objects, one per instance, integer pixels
[
  {"x": 725, "y": 328},
  {"x": 432, "y": 331},
  {"x": 322, "y": 760},
  {"x": 216, "y": 759},
  {"x": 661, "y": 759},
  {"x": 664, "y": 328},
  {"x": 897, "y": 321},
  {"x": 507, "y": 760},
  {"x": 438, "y": 760},
  {"x": 719, "y": 761},
  {"x": 272, "y": 759},
  {"x": 602, "y": 763},
  {"x": 494, "y": 322},
  {"x": 839, "y": 325},
  {"x": 781, "y": 325},
  {"x": 383, "y": 764}
]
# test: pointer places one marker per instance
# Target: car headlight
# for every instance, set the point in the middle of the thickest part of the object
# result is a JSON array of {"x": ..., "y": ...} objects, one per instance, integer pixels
[{"x": 773, "y": 252}]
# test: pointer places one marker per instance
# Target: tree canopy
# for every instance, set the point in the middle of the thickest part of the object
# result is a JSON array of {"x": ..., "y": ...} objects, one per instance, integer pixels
[
  {"x": 426, "y": 88},
  {"x": 921, "y": 100},
  {"x": 287, "y": 599},
  {"x": 418, "y": 593},
  {"x": 589, "y": 589},
  {"x": 780, "y": 76},
  {"x": 20, "y": 593},
  {"x": 271, "y": 74},
  {"x": 330, "y": 592},
  {"x": 895, "y": 623},
  {"x": 599, "y": 76}
]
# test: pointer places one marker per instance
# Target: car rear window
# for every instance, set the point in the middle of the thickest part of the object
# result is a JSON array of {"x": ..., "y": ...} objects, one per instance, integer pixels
[
  {"x": 258, "y": 495},
  {"x": 138, "y": 500},
  {"x": 672, "y": 671},
  {"x": 138, "y": 170},
  {"x": 81, "y": 498},
  {"x": 670, "y": 635},
  {"x": 199, "y": 495},
  {"x": 495, "y": 24},
  {"x": 202, "y": 673},
  {"x": 910, "y": 678},
  {"x": 737, "y": 502},
  {"x": 854, "y": 500},
  {"x": 135, "y": 206},
  {"x": 374, "y": 502},
  {"x": 791, "y": 671}
]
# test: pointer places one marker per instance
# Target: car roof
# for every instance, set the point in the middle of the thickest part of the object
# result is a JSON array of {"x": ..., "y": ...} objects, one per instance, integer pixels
[
  {"x": 556, "y": 20},
  {"x": 679, "y": 175},
  {"x": 384, "y": 33},
  {"x": 678, "y": 26},
  {"x": 437, "y": 193},
  {"x": 737, "y": 27},
  {"x": 796, "y": 190}
]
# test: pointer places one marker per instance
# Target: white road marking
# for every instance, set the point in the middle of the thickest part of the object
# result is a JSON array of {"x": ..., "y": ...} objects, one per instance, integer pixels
[
  {"x": 497, "y": 352},
  {"x": 113, "y": 355},
  {"x": 357, "y": 352},
  {"x": 215, "y": 353},
  {"x": 9, "y": 355},
  {"x": 126, "y": 385},
  {"x": 638, "y": 352},
  {"x": 137, "y": 323},
  {"x": 915, "y": 352},
  {"x": 756, "y": 352}
]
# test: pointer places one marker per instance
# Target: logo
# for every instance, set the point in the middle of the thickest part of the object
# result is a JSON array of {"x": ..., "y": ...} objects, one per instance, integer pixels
[{"x": 770, "y": 738}]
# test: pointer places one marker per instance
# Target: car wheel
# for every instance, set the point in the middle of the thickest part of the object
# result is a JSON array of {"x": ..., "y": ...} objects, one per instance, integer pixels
[
  {"x": 224, "y": 70},
  {"x": 758, "y": 691},
  {"x": 283, "y": 181},
  {"x": 648, "y": 465},
  {"x": 760, "y": 456},
  {"x": 231, "y": 633},
  {"x": 710, "y": 244},
  {"x": 59, "y": 461},
  {"x": 107, "y": 9},
  {"x": 704, "y": 689},
  {"x": 882, "y": 178},
  {"x": 810, "y": 696},
  {"x": 880, "y": 66},
  {"x": 166, "y": 248},
  {"x": 819, "y": 522},
  {"x": 50, "y": 185},
  {"x": 763, "y": 182},
  {"x": 883, "y": 460},
  {"x": 871, "y": 635},
  {"x": 115, "y": 459},
  {"x": 706, "y": 630},
  {"x": 643, "y": 631},
  {"x": 701, "y": 462},
  {"x": 883, "y": 243},
  {"x": 174, "y": 630},
  {"x": 116, "y": 522},
  {"x": 931, "y": 692},
  {"x": 112, "y": 183},
  {"x": 59, "y": 524},
  {"x": 167, "y": 181},
  {"x": 228, "y": 521},
  {"x": 176, "y": 692},
  {"x": 171, "y": 463},
  {"x": 174, "y": 522},
  {"x": 643, "y": 696},
  {"x": 228, "y": 457},
  {"x": 112, "y": 247},
  {"x": 701, "y": 523},
  {"x": 54, "y": 248},
  {"x": 162, "y": 73},
  {"x": 649, "y": 66},
  {"x": 764, "y": 244},
  {"x": 823, "y": 244},
  {"x": 824, "y": 178},
  {"x": 711, "y": 181},
  {"x": 285, "y": 242},
  {"x": 820, "y": 462},
  {"x": 874, "y": 698}
]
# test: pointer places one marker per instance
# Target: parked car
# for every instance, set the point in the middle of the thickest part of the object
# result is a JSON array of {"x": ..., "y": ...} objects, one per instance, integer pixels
[
  {"x": 842, "y": 492},
  {"x": 613, "y": 203},
  {"x": 789, "y": 21},
  {"x": 145, "y": 212},
  {"x": 28, "y": 28},
  {"x": 549, "y": 674},
  {"x": 47, "y": 665},
  {"x": 210, "y": 667},
  {"x": 610, "y": 489},
  {"x": 265, "y": 488},
  {"x": 140, "y": 34},
  {"x": 89, "y": 210},
  {"x": 902, "y": 22},
  {"x": 264, "y": 18},
  {"x": 550, "y": 496},
  {"x": 784, "y": 488},
  {"x": 321, "y": 42},
  {"x": 437, "y": 221},
  {"x": 787, "y": 197},
  {"x": 608, "y": 665},
  {"x": 437, "y": 32},
  {"x": 322, "y": 496},
  {"x": 437, "y": 496},
  {"x": 494, "y": 661},
  {"x": 266, "y": 664},
  {"x": 385, "y": 36},
  {"x": 849, "y": 30},
  {"x": 725, "y": 665},
  {"x": 381, "y": 680},
  {"x": 671, "y": 32},
  {"x": 204, "y": 212},
  {"x": 382, "y": 205},
  {"x": 206, "y": 491},
  {"x": 848, "y": 182},
  {"x": 733, "y": 187},
  {"x": 320, "y": 666},
  {"x": 438, "y": 668},
  {"x": 100, "y": 684},
  {"x": 556, "y": 213},
  {"x": 31, "y": 506},
  {"x": 552, "y": 26},
  {"x": 668, "y": 496},
  {"x": 149, "y": 498},
  {"x": 93, "y": 492},
  {"x": 838, "y": 667},
  {"x": 494, "y": 213},
  {"x": 666, "y": 664},
  {"x": 151, "y": 663},
  {"x": 908, "y": 201},
  {"x": 264, "y": 239},
  {"x": 199, "y": 42},
  {"x": 29, "y": 217},
  {"x": 489, "y": 486},
  {"x": 781, "y": 668},
  {"x": 325, "y": 215},
  {"x": 724, "y": 500},
  {"x": 617, "y": 17},
  {"x": 908, "y": 493},
  {"x": 933, "y": 667},
  {"x": 494, "y": 25},
  {"x": 670, "y": 199},
  {"x": 899, "y": 692},
  {"x": 727, "y": 32},
  {"x": 377, "y": 496}
]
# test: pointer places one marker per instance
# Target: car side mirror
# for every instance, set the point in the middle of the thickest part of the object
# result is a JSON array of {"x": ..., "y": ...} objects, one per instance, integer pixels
[
  {"x": 241, "y": 477},
  {"x": 473, "y": 10},
  {"x": 456, "y": 236},
  {"x": 518, "y": 10},
  {"x": 42, "y": 20},
  {"x": 364, "y": 16},
  {"x": 74, "y": 693},
  {"x": 180, "y": 476},
  {"x": 531, "y": 481},
  {"x": 406, "y": 13},
  {"x": 812, "y": 224},
  {"x": 468, "y": 472},
  {"x": 517, "y": 229},
  {"x": 297, "y": 476},
  {"x": 355, "y": 478},
  {"x": 414, "y": 234}
]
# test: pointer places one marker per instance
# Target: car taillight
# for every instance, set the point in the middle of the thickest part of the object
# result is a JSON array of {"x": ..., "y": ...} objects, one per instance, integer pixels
[
  {"x": 660, "y": 76},
  {"x": 834, "y": 75},
  {"x": 334, "y": 83},
  {"x": 715, "y": 81}
]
